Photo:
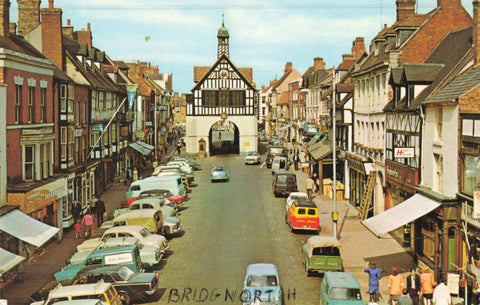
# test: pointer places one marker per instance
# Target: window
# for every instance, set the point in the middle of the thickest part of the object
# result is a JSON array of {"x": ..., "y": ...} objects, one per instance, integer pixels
[
  {"x": 223, "y": 97},
  {"x": 63, "y": 143},
  {"x": 43, "y": 105},
  {"x": 471, "y": 174},
  {"x": 94, "y": 99},
  {"x": 29, "y": 163},
  {"x": 109, "y": 101},
  {"x": 31, "y": 104},
  {"x": 70, "y": 103},
  {"x": 439, "y": 122},
  {"x": 101, "y": 100},
  {"x": 18, "y": 104},
  {"x": 70, "y": 143},
  {"x": 63, "y": 98},
  {"x": 209, "y": 98}
]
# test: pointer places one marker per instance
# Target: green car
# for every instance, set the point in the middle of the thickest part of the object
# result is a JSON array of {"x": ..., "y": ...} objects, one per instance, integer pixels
[
  {"x": 340, "y": 288},
  {"x": 322, "y": 254}
]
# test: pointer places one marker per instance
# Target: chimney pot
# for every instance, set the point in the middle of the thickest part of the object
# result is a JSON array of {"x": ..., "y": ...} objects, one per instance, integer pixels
[
  {"x": 68, "y": 22},
  {"x": 318, "y": 64},
  {"x": 288, "y": 67},
  {"x": 88, "y": 27},
  {"x": 50, "y": 3}
]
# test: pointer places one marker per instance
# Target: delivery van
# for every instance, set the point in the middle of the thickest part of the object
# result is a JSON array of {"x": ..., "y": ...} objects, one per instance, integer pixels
[{"x": 173, "y": 183}]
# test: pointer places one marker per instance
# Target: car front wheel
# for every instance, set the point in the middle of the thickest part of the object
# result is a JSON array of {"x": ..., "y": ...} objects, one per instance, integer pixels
[{"x": 125, "y": 297}]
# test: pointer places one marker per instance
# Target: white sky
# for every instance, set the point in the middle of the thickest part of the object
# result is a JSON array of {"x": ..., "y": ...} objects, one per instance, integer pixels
[{"x": 264, "y": 34}]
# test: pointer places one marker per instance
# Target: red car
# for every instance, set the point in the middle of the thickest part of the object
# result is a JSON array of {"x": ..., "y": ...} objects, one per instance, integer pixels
[{"x": 178, "y": 200}]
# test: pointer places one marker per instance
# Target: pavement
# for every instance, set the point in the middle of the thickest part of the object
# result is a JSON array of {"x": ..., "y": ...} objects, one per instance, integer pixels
[{"x": 359, "y": 246}]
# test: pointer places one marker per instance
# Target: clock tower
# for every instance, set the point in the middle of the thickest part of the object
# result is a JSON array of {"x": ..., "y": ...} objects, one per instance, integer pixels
[{"x": 223, "y": 40}]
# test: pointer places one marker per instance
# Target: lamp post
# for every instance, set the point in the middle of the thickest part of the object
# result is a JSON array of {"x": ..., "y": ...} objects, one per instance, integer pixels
[
  {"x": 334, "y": 216},
  {"x": 155, "y": 119}
]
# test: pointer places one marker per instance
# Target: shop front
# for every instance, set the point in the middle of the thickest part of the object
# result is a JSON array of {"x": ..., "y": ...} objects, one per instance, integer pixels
[{"x": 358, "y": 176}]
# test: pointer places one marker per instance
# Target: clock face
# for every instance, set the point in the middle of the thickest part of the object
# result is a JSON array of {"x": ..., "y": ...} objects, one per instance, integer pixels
[{"x": 223, "y": 74}]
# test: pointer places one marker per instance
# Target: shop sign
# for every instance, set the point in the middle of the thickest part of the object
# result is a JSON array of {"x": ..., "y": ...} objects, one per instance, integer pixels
[
  {"x": 404, "y": 152},
  {"x": 401, "y": 176},
  {"x": 356, "y": 165},
  {"x": 45, "y": 194},
  {"x": 78, "y": 132}
]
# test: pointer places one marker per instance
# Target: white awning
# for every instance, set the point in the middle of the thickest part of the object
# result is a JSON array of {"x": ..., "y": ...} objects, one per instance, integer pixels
[
  {"x": 8, "y": 260},
  {"x": 142, "y": 147},
  {"x": 401, "y": 214},
  {"x": 26, "y": 228}
]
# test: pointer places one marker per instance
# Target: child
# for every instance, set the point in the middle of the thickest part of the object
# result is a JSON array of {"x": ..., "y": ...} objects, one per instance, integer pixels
[{"x": 78, "y": 229}]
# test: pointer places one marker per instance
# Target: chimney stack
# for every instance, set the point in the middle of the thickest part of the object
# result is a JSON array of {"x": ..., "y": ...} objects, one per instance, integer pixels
[
  {"x": 28, "y": 16},
  {"x": 405, "y": 9},
  {"x": 52, "y": 45},
  {"x": 67, "y": 30},
  {"x": 84, "y": 36},
  {"x": 288, "y": 67},
  {"x": 318, "y": 64},
  {"x": 358, "y": 47},
  {"x": 449, "y": 3},
  {"x": 5, "y": 18},
  {"x": 476, "y": 32}
]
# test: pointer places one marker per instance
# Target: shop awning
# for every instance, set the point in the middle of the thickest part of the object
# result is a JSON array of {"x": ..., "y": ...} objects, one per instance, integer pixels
[
  {"x": 315, "y": 139},
  {"x": 142, "y": 147},
  {"x": 26, "y": 228},
  {"x": 8, "y": 260},
  {"x": 409, "y": 210}
]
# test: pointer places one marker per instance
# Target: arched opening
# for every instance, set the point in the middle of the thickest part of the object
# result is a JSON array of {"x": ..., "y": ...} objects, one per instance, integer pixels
[{"x": 224, "y": 138}]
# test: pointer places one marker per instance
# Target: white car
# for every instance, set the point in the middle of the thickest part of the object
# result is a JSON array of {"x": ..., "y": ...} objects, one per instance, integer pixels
[
  {"x": 294, "y": 196},
  {"x": 143, "y": 235},
  {"x": 184, "y": 166},
  {"x": 252, "y": 157}
]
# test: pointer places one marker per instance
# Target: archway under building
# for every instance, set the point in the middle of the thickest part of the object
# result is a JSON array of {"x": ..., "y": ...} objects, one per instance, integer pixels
[{"x": 224, "y": 138}]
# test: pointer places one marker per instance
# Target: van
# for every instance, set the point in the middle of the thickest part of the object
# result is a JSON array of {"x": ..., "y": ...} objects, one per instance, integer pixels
[
  {"x": 123, "y": 255},
  {"x": 322, "y": 254},
  {"x": 275, "y": 151},
  {"x": 151, "y": 219},
  {"x": 284, "y": 183},
  {"x": 279, "y": 163},
  {"x": 340, "y": 288},
  {"x": 173, "y": 183}
]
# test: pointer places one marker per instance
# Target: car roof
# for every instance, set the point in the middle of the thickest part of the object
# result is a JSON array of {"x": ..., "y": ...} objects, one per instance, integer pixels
[
  {"x": 101, "y": 269},
  {"x": 148, "y": 199},
  {"x": 128, "y": 248},
  {"x": 118, "y": 241},
  {"x": 341, "y": 280},
  {"x": 304, "y": 204},
  {"x": 80, "y": 289},
  {"x": 298, "y": 194},
  {"x": 261, "y": 268},
  {"x": 284, "y": 172},
  {"x": 127, "y": 228}
]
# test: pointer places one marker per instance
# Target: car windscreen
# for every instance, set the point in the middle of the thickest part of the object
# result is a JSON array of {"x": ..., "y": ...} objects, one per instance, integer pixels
[
  {"x": 125, "y": 273},
  {"x": 262, "y": 281},
  {"x": 282, "y": 179},
  {"x": 338, "y": 293},
  {"x": 328, "y": 251}
]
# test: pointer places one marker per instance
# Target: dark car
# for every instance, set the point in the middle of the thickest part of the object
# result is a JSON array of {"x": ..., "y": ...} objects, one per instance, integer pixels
[
  {"x": 133, "y": 287},
  {"x": 274, "y": 151},
  {"x": 284, "y": 182}
]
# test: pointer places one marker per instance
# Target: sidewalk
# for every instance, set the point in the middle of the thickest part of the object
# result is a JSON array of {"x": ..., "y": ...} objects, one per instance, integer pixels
[{"x": 359, "y": 245}]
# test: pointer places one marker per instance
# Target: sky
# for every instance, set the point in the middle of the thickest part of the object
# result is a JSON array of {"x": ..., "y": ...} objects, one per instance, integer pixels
[{"x": 264, "y": 34}]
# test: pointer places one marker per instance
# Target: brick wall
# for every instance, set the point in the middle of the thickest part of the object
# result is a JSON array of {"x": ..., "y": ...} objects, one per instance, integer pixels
[
  {"x": 28, "y": 15},
  {"x": 52, "y": 46}
]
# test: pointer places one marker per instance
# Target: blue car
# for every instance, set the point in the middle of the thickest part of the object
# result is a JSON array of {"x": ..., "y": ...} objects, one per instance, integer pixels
[
  {"x": 262, "y": 285},
  {"x": 218, "y": 173}
]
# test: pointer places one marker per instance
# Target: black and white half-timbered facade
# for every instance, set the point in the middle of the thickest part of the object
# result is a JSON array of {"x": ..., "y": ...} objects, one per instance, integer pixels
[{"x": 222, "y": 110}]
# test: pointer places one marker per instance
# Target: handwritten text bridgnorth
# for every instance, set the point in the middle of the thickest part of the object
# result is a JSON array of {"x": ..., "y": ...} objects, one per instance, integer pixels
[{"x": 205, "y": 295}]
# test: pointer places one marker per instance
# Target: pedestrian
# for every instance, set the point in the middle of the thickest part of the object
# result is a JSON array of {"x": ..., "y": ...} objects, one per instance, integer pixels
[
  {"x": 78, "y": 228},
  {"x": 296, "y": 158},
  {"x": 76, "y": 210},
  {"x": 427, "y": 282},
  {"x": 395, "y": 286},
  {"x": 179, "y": 147},
  {"x": 405, "y": 298},
  {"x": 160, "y": 149},
  {"x": 414, "y": 286},
  {"x": 100, "y": 210},
  {"x": 87, "y": 224},
  {"x": 373, "y": 280},
  {"x": 135, "y": 174},
  {"x": 309, "y": 185},
  {"x": 441, "y": 294}
]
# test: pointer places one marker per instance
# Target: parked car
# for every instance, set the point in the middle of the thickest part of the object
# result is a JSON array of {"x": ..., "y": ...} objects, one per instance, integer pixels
[
  {"x": 279, "y": 163},
  {"x": 149, "y": 255},
  {"x": 193, "y": 163},
  {"x": 218, "y": 173},
  {"x": 262, "y": 285},
  {"x": 340, "y": 288},
  {"x": 102, "y": 291},
  {"x": 182, "y": 164},
  {"x": 295, "y": 196},
  {"x": 125, "y": 255},
  {"x": 151, "y": 219},
  {"x": 322, "y": 254},
  {"x": 274, "y": 151},
  {"x": 252, "y": 157},
  {"x": 172, "y": 183},
  {"x": 188, "y": 179},
  {"x": 142, "y": 234},
  {"x": 178, "y": 200},
  {"x": 303, "y": 215},
  {"x": 284, "y": 182}
]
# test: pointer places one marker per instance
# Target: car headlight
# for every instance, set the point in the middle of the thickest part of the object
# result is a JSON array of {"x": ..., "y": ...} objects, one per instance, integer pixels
[{"x": 277, "y": 298}]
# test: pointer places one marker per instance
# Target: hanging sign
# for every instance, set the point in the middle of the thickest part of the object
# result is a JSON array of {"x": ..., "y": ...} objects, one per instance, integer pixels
[{"x": 131, "y": 93}]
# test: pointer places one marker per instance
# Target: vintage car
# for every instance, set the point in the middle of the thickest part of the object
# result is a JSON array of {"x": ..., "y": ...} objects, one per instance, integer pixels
[
  {"x": 193, "y": 163},
  {"x": 303, "y": 215},
  {"x": 142, "y": 234},
  {"x": 252, "y": 157},
  {"x": 262, "y": 285},
  {"x": 182, "y": 164},
  {"x": 149, "y": 255},
  {"x": 151, "y": 219},
  {"x": 124, "y": 255},
  {"x": 273, "y": 151},
  {"x": 340, "y": 288},
  {"x": 322, "y": 254},
  {"x": 284, "y": 182},
  {"x": 188, "y": 178},
  {"x": 102, "y": 291},
  {"x": 177, "y": 200},
  {"x": 218, "y": 173},
  {"x": 80, "y": 302},
  {"x": 279, "y": 163},
  {"x": 295, "y": 196}
]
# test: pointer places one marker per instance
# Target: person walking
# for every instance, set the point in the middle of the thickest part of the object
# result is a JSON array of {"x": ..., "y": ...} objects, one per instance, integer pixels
[
  {"x": 405, "y": 298},
  {"x": 76, "y": 210},
  {"x": 395, "y": 286},
  {"x": 87, "y": 224},
  {"x": 309, "y": 185},
  {"x": 78, "y": 228},
  {"x": 99, "y": 210},
  {"x": 296, "y": 158},
  {"x": 135, "y": 174},
  {"x": 179, "y": 147},
  {"x": 373, "y": 281},
  {"x": 427, "y": 282},
  {"x": 414, "y": 286},
  {"x": 441, "y": 294}
]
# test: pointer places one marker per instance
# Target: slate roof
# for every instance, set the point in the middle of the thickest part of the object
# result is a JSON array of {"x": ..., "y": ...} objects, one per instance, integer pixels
[
  {"x": 20, "y": 45},
  {"x": 421, "y": 73}
]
